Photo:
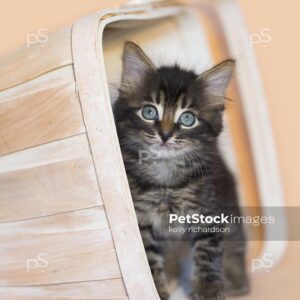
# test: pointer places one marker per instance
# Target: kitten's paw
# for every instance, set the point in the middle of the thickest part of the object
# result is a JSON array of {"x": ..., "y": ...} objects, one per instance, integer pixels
[
  {"x": 164, "y": 295},
  {"x": 163, "y": 291},
  {"x": 238, "y": 286},
  {"x": 161, "y": 284},
  {"x": 209, "y": 291},
  {"x": 236, "y": 281}
]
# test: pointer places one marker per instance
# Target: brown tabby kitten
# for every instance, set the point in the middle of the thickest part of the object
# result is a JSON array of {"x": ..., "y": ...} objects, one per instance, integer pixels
[{"x": 168, "y": 120}]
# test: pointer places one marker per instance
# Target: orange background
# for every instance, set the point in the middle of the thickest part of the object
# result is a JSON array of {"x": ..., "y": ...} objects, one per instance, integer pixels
[{"x": 279, "y": 61}]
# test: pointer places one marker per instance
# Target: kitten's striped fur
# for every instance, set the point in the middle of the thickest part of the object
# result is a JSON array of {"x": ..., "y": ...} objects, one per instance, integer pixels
[{"x": 180, "y": 170}]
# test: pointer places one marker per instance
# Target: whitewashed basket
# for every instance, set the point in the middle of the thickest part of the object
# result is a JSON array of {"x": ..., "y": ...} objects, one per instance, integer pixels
[{"x": 67, "y": 224}]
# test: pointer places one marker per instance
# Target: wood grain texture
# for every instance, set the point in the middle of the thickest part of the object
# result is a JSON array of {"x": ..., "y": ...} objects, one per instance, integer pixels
[
  {"x": 70, "y": 247},
  {"x": 58, "y": 77},
  {"x": 64, "y": 298},
  {"x": 95, "y": 101},
  {"x": 49, "y": 188},
  {"x": 29, "y": 61},
  {"x": 39, "y": 118},
  {"x": 61, "y": 150},
  {"x": 104, "y": 290}
]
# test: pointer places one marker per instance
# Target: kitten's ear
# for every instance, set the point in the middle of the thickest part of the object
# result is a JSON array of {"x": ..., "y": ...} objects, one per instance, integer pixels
[
  {"x": 217, "y": 78},
  {"x": 136, "y": 64}
]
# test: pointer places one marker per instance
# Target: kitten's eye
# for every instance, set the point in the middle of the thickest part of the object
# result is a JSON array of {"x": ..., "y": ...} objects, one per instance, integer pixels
[
  {"x": 149, "y": 112},
  {"x": 187, "y": 119}
]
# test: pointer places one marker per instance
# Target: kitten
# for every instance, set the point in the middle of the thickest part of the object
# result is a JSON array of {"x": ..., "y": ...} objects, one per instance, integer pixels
[{"x": 168, "y": 120}]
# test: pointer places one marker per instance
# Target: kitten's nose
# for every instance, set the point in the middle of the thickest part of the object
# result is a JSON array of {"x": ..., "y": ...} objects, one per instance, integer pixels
[{"x": 165, "y": 135}]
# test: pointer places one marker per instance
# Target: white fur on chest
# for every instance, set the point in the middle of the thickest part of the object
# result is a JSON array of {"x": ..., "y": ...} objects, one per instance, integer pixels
[{"x": 163, "y": 171}]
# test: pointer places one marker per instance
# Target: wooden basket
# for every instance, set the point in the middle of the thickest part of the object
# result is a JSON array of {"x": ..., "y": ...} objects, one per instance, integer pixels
[{"x": 68, "y": 228}]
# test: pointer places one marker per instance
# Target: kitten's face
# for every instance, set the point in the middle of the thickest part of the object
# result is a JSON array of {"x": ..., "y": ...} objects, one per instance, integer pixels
[{"x": 168, "y": 112}]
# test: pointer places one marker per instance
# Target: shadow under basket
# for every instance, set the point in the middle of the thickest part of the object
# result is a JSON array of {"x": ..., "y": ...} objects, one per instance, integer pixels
[{"x": 68, "y": 229}]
